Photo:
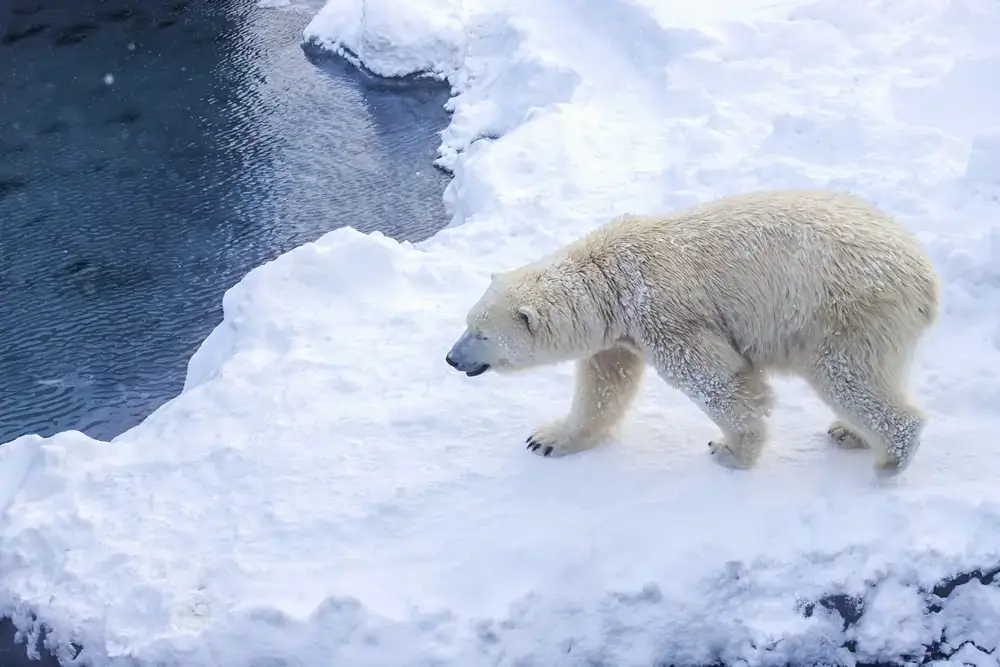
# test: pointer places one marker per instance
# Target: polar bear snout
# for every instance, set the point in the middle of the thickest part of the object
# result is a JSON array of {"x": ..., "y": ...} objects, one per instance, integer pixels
[
  {"x": 465, "y": 356},
  {"x": 470, "y": 369}
]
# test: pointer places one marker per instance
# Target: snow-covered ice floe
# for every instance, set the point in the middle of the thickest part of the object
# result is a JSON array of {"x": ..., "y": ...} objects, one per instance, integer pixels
[{"x": 326, "y": 491}]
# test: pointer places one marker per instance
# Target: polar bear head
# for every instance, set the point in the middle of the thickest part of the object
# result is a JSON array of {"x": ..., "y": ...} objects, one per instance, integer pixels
[{"x": 530, "y": 317}]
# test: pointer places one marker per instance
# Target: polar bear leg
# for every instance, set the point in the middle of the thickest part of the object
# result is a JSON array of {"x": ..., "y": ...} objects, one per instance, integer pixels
[
  {"x": 739, "y": 412},
  {"x": 864, "y": 389},
  {"x": 734, "y": 395},
  {"x": 606, "y": 385}
]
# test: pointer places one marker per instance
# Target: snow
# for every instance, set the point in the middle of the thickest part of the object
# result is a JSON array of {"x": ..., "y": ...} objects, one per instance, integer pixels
[{"x": 327, "y": 491}]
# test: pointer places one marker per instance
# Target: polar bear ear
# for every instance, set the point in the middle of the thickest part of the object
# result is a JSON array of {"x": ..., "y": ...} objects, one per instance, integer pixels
[{"x": 530, "y": 316}]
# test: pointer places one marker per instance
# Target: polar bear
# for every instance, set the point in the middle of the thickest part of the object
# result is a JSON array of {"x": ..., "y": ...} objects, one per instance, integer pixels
[{"x": 814, "y": 283}]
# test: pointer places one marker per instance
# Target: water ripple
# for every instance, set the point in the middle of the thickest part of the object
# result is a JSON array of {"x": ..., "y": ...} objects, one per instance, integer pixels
[{"x": 152, "y": 154}]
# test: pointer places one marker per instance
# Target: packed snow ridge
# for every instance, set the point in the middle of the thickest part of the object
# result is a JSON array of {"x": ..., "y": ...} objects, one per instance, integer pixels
[{"x": 326, "y": 491}]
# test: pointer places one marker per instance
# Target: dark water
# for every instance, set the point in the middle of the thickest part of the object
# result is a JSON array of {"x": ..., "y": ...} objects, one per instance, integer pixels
[{"x": 151, "y": 153}]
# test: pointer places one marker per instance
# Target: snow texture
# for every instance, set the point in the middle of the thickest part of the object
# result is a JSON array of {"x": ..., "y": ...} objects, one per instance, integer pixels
[{"x": 326, "y": 491}]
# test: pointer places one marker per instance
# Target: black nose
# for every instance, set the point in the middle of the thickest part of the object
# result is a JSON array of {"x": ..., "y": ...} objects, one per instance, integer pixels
[{"x": 451, "y": 362}]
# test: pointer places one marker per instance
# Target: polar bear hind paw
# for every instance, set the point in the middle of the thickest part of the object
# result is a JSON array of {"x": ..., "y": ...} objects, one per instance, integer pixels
[
  {"x": 845, "y": 437},
  {"x": 726, "y": 457}
]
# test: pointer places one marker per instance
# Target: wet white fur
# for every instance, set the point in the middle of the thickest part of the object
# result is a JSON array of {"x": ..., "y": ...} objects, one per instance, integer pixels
[{"x": 814, "y": 283}]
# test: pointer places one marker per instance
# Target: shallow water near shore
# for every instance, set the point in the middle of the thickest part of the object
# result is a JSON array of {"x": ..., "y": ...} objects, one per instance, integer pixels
[{"x": 157, "y": 155}]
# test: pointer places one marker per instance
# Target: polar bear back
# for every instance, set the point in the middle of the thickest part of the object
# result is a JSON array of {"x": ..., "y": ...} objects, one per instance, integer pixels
[{"x": 776, "y": 272}]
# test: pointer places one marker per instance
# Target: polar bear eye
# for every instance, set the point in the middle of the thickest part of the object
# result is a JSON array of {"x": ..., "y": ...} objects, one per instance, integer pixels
[{"x": 480, "y": 335}]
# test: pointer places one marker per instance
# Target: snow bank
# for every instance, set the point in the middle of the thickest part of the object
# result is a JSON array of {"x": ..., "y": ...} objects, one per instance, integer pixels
[{"x": 327, "y": 491}]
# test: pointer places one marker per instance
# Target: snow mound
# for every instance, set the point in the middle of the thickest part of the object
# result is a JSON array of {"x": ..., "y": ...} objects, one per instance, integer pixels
[
  {"x": 984, "y": 159},
  {"x": 393, "y": 38},
  {"x": 327, "y": 491}
]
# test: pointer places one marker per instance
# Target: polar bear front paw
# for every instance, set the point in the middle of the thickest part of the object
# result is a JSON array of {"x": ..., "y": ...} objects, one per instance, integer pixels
[
  {"x": 557, "y": 439},
  {"x": 726, "y": 456}
]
